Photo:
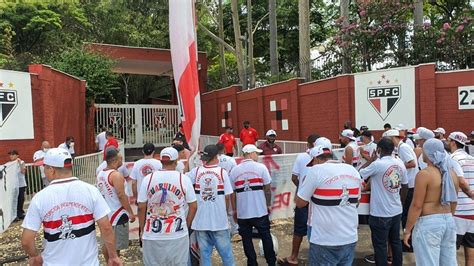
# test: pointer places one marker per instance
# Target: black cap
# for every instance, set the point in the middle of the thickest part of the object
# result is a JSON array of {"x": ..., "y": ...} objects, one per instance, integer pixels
[
  {"x": 228, "y": 127},
  {"x": 13, "y": 152},
  {"x": 148, "y": 148},
  {"x": 209, "y": 152},
  {"x": 364, "y": 128},
  {"x": 367, "y": 134}
]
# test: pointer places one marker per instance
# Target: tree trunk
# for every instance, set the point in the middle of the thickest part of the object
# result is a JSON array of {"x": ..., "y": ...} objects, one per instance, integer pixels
[
  {"x": 251, "y": 65},
  {"x": 238, "y": 43},
  {"x": 346, "y": 61},
  {"x": 225, "y": 82},
  {"x": 418, "y": 14},
  {"x": 305, "y": 63},
  {"x": 274, "y": 69}
]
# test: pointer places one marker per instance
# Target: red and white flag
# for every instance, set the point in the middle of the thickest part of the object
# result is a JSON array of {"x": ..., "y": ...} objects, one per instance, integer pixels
[{"x": 184, "y": 57}]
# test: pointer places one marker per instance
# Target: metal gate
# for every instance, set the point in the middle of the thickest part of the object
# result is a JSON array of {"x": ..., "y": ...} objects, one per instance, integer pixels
[{"x": 138, "y": 124}]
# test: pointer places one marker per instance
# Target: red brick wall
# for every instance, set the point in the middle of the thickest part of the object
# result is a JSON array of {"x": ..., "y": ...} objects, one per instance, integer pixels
[
  {"x": 323, "y": 106},
  {"x": 58, "y": 112}
]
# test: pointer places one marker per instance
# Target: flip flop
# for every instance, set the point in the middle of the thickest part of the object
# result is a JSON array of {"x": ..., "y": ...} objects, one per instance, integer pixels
[{"x": 285, "y": 262}]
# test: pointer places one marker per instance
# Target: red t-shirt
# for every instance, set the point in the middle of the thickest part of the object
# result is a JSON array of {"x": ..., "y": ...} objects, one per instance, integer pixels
[
  {"x": 248, "y": 136},
  {"x": 229, "y": 141},
  {"x": 111, "y": 142}
]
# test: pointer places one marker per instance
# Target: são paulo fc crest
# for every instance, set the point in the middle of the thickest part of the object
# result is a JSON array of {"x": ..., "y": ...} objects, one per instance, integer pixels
[
  {"x": 384, "y": 99},
  {"x": 8, "y": 103}
]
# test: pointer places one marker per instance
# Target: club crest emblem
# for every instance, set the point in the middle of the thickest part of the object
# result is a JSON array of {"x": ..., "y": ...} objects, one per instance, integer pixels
[
  {"x": 384, "y": 99},
  {"x": 8, "y": 103}
]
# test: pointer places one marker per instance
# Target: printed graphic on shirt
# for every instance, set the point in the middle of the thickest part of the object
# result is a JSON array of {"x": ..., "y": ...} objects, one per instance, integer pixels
[
  {"x": 343, "y": 196},
  {"x": 165, "y": 206},
  {"x": 146, "y": 169},
  {"x": 208, "y": 185},
  {"x": 248, "y": 181},
  {"x": 391, "y": 179},
  {"x": 66, "y": 228}
]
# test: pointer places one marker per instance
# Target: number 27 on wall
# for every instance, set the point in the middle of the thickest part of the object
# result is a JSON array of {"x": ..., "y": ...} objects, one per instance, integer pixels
[{"x": 466, "y": 97}]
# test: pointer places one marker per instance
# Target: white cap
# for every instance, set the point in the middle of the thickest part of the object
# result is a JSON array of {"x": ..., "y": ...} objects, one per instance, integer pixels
[
  {"x": 425, "y": 133},
  {"x": 271, "y": 132},
  {"x": 392, "y": 133},
  {"x": 170, "y": 153},
  {"x": 249, "y": 148},
  {"x": 440, "y": 130},
  {"x": 324, "y": 142},
  {"x": 56, "y": 157},
  {"x": 317, "y": 151},
  {"x": 459, "y": 137},
  {"x": 401, "y": 127},
  {"x": 348, "y": 134},
  {"x": 416, "y": 137}
]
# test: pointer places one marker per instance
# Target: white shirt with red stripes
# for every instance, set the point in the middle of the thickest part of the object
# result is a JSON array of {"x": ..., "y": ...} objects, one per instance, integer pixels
[
  {"x": 167, "y": 194},
  {"x": 355, "y": 153},
  {"x": 110, "y": 195},
  {"x": 248, "y": 179},
  {"x": 387, "y": 175},
  {"x": 67, "y": 209},
  {"x": 211, "y": 185},
  {"x": 333, "y": 190}
]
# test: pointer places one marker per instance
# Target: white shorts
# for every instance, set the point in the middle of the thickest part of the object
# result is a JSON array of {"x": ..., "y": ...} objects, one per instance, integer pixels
[
  {"x": 464, "y": 226},
  {"x": 174, "y": 252}
]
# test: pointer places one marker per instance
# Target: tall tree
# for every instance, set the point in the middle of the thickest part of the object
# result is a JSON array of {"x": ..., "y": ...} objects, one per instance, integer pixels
[
  {"x": 304, "y": 43},
  {"x": 344, "y": 9},
  {"x": 220, "y": 20},
  {"x": 418, "y": 14},
  {"x": 250, "y": 62},
  {"x": 274, "y": 69},
  {"x": 238, "y": 43}
]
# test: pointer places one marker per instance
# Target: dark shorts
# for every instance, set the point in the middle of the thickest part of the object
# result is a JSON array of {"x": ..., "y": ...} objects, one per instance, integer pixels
[
  {"x": 466, "y": 240},
  {"x": 300, "y": 227}
]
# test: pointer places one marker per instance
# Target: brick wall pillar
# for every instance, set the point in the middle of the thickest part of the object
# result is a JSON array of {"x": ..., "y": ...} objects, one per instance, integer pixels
[{"x": 427, "y": 95}]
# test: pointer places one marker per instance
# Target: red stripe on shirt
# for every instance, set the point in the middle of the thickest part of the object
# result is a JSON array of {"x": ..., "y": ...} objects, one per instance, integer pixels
[
  {"x": 74, "y": 219},
  {"x": 334, "y": 192},
  {"x": 115, "y": 214},
  {"x": 364, "y": 198},
  {"x": 250, "y": 180}
]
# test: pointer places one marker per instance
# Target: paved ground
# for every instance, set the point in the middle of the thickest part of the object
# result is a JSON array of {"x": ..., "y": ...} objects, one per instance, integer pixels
[{"x": 10, "y": 248}]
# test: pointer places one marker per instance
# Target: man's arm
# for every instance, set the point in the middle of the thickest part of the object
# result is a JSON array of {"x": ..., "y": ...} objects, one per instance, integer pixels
[
  {"x": 29, "y": 246},
  {"x": 268, "y": 196},
  {"x": 294, "y": 179},
  {"x": 464, "y": 186},
  {"x": 141, "y": 216},
  {"x": 191, "y": 213},
  {"x": 118, "y": 183},
  {"x": 348, "y": 153},
  {"x": 108, "y": 236},
  {"x": 22, "y": 166},
  {"x": 410, "y": 164},
  {"x": 300, "y": 203},
  {"x": 135, "y": 189}
]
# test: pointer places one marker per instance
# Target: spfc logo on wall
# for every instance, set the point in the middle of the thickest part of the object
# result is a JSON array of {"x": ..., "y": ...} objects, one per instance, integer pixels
[
  {"x": 384, "y": 99},
  {"x": 8, "y": 103}
]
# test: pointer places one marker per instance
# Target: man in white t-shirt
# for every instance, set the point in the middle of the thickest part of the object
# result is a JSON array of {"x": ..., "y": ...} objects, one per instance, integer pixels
[
  {"x": 143, "y": 167},
  {"x": 21, "y": 184},
  {"x": 387, "y": 175},
  {"x": 68, "y": 145},
  {"x": 251, "y": 182},
  {"x": 408, "y": 157},
  {"x": 38, "y": 157},
  {"x": 368, "y": 148},
  {"x": 213, "y": 189},
  {"x": 68, "y": 209},
  {"x": 225, "y": 161},
  {"x": 101, "y": 139},
  {"x": 334, "y": 189},
  {"x": 351, "y": 151},
  {"x": 300, "y": 219},
  {"x": 163, "y": 199},
  {"x": 182, "y": 165}
]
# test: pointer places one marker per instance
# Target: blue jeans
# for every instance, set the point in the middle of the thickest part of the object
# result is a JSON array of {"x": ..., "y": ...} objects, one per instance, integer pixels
[
  {"x": 385, "y": 229},
  {"x": 207, "y": 240},
  {"x": 331, "y": 255},
  {"x": 434, "y": 240}
]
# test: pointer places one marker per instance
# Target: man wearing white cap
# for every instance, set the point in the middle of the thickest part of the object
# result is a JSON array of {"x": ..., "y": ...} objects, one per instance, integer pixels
[
  {"x": 269, "y": 147},
  {"x": 404, "y": 133},
  {"x": 334, "y": 189},
  {"x": 439, "y": 133},
  {"x": 163, "y": 199},
  {"x": 351, "y": 151},
  {"x": 464, "y": 215},
  {"x": 68, "y": 210},
  {"x": 251, "y": 182},
  {"x": 408, "y": 157}
]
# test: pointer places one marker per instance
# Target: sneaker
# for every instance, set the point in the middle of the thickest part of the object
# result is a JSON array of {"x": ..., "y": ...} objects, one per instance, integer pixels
[{"x": 370, "y": 258}]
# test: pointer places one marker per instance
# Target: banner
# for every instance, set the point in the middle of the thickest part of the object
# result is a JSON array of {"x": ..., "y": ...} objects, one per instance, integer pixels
[
  {"x": 16, "y": 111},
  {"x": 8, "y": 194},
  {"x": 184, "y": 58},
  {"x": 385, "y": 96}
]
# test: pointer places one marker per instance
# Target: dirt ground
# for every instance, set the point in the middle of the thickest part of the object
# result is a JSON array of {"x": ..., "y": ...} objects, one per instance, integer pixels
[{"x": 12, "y": 254}]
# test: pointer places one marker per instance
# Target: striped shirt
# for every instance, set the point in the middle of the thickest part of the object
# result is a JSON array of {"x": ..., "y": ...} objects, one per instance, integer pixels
[{"x": 465, "y": 207}]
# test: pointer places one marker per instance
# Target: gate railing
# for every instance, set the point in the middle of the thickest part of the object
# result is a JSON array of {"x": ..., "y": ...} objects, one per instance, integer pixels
[{"x": 139, "y": 124}]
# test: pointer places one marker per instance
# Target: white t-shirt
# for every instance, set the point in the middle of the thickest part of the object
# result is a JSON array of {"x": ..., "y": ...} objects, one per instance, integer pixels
[
  {"x": 333, "y": 190},
  {"x": 39, "y": 155},
  {"x": 144, "y": 167},
  {"x": 367, "y": 150},
  {"x": 355, "y": 153},
  {"x": 406, "y": 154},
  {"x": 299, "y": 166},
  {"x": 211, "y": 185},
  {"x": 67, "y": 209},
  {"x": 248, "y": 179},
  {"x": 387, "y": 175},
  {"x": 167, "y": 194},
  {"x": 465, "y": 206},
  {"x": 64, "y": 147},
  {"x": 122, "y": 169},
  {"x": 180, "y": 167},
  {"x": 21, "y": 177},
  {"x": 100, "y": 139},
  {"x": 410, "y": 143},
  {"x": 227, "y": 162}
]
